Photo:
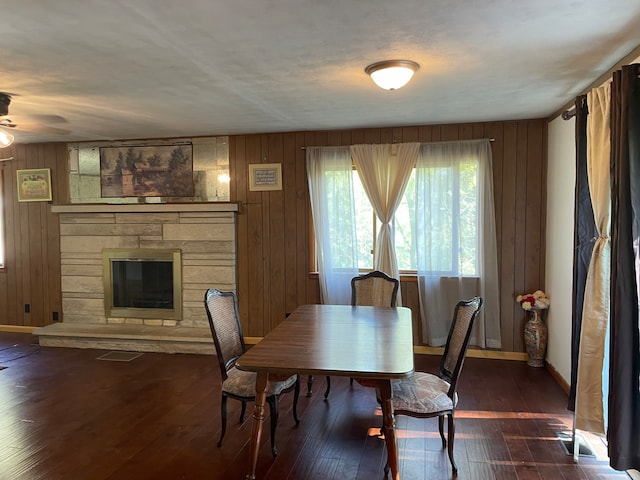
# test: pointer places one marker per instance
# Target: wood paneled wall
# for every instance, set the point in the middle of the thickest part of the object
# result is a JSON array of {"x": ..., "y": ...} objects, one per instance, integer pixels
[
  {"x": 32, "y": 239},
  {"x": 274, "y": 227}
]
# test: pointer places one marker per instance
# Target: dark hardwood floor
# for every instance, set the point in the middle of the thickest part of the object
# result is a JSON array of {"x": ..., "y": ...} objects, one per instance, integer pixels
[{"x": 65, "y": 415}]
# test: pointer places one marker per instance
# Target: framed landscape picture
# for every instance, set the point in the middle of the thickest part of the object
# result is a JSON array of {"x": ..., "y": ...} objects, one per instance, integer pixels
[
  {"x": 34, "y": 185},
  {"x": 146, "y": 171}
]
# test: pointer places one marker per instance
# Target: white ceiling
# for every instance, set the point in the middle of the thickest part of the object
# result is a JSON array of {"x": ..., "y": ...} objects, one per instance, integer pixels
[{"x": 123, "y": 69}]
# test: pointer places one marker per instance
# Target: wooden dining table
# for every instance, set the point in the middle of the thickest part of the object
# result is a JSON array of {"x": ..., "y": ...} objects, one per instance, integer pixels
[{"x": 370, "y": 344}]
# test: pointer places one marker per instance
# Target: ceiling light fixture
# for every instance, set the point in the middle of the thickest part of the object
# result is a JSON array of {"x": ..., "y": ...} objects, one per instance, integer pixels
[
  {"x": 392, "y": 74},
  {"x": 6, "y": 139}
]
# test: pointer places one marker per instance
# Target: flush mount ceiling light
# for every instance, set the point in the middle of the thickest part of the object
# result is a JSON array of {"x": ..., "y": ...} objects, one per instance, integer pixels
[
  {"x": 392, "y": 74},
  {"x": 6, "y": 139}
]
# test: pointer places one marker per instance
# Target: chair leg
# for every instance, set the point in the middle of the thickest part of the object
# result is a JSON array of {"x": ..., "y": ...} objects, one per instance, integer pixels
[
  {"x": 273, "y": 407},
  {"x": 326, "y": 392},
  {"x": 243, "y": 410},
  {"x": 309, "y": 385},
  {"x": 441, "y": 429},
  {"x": 451, "y": 431},
  {"x": 223, "y": 418},
  {"x": 296, "y": 394}
]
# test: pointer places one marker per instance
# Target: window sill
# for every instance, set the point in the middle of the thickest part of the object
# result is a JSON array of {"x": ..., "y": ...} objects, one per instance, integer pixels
[{"x": 404, "y": 277}]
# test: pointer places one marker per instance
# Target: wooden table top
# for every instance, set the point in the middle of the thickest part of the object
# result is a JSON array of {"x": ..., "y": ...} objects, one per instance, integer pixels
[{"x": 340, "y": 340}]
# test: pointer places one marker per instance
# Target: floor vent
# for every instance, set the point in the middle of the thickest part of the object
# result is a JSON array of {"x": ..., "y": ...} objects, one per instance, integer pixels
[
  {"x": 120, "y": 356},
  {"x": 566, "y": 440}
]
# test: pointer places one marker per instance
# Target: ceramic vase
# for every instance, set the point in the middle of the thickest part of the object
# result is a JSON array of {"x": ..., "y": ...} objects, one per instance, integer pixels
[{"x": 535, "y": 338}]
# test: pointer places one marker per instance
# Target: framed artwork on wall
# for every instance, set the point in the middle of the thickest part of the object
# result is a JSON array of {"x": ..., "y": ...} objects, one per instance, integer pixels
[
  {"x": 265, "y": 176},
  {"x": 146, "y": 171},
  {"x": 34, "y": 185}
]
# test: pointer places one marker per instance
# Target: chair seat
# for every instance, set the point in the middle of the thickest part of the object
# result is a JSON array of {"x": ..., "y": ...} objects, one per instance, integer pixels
[
  {"x": 243, "y": 384},
  {"x": 422, "y": 393}
]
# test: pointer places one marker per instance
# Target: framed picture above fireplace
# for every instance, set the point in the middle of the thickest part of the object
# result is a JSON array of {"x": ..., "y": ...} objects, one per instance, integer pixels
[{"x": 146, "y": 171}]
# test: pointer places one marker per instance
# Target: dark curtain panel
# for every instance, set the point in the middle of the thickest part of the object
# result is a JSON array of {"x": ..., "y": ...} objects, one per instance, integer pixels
[
  {"x": 584, "y": 233},
  {"x": 624, "y": 388}
]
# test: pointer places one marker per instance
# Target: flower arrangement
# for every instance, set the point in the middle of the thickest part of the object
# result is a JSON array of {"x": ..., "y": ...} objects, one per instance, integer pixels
[{"x": 535, "y": 300}]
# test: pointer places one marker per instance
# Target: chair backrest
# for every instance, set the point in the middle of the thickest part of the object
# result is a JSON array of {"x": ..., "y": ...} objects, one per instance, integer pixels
[
  {"x": 375, "y": 289},
  {"x": 224, "y": 321},
  {"x": 458, "y": 341}
]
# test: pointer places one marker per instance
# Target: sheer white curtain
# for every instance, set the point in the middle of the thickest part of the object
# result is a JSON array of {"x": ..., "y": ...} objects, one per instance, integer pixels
[
  {"x": 384, "y": 171},
  {"x": 456, "y": 238},
  {"x": 329, "y": 172}
]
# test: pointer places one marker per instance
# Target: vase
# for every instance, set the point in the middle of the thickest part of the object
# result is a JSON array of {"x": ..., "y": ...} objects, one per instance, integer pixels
[{"x": 535, "y": 338}]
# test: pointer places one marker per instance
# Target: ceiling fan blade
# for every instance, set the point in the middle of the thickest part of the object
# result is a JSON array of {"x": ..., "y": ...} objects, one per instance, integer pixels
[
  {"x": 37, "y": 128},
  {"x": 37, "y": 118}
]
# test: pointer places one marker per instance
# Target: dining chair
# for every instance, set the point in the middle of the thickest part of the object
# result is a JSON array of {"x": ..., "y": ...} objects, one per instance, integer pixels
[
  {"x": 375, "y": 289},
  {"x": 226, "y": 329},
  {"x": 425, "y": 395}
]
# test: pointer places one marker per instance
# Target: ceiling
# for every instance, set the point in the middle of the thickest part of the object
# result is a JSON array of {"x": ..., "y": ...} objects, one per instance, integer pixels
[{"x": 96, "y": 70}]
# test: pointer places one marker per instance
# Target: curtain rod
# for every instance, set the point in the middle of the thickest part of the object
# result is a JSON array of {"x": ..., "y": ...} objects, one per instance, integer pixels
[
  {"x": 395, "y": 143},
  {"x": 568, "y": 114}
]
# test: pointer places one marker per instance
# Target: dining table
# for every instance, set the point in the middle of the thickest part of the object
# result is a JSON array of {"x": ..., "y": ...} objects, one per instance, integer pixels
[{"x": 373, "y": 345}]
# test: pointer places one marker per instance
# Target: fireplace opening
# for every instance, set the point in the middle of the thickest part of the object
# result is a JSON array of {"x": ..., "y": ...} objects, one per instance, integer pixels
[{"x": 142, "y": 283}]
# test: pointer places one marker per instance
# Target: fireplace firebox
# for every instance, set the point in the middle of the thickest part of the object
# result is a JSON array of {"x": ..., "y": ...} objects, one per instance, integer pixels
[{"x": 142, "y": 283}]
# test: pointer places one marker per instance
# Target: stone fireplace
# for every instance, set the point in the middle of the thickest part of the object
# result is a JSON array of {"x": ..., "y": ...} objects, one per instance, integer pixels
[{"x": 203, "y": 235}]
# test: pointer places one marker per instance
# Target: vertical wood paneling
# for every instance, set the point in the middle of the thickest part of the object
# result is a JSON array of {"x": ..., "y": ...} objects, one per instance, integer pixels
[
  {"x": 276, "y": 252},
  {"x": 290, "y": 175},
  {"x": 273, "y": 227},
  {"x": 522, "y": 185},
  {"x": 518, "y": 152},
  {"x": 255, "y": 291},
  {"x": 32, "y": 240}
]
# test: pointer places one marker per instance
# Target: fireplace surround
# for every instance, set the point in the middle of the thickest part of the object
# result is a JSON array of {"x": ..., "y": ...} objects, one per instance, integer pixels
[
  {"x": 203, "y": 233},
  {"x": 143, "y": 283}
]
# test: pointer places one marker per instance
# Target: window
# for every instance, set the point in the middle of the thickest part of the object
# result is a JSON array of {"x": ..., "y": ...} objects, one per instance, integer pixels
[
  {"x": 367, "y": 227},
  {"x": 455, "y": 196}
]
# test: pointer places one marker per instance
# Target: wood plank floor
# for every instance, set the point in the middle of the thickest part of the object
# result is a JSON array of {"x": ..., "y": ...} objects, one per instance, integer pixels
[{"x": 65, "y": 415}]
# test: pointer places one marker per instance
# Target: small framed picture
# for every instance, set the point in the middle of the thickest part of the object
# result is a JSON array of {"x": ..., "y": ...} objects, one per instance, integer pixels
[
  {"x": 265, "y": 176},
  {"x": 34, "y": 185}
]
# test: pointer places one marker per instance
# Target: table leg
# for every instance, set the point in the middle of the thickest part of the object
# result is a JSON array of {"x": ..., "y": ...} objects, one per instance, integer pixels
[
  {"x": 389, "y": 428},
  {"x": 258, "y": 417}
]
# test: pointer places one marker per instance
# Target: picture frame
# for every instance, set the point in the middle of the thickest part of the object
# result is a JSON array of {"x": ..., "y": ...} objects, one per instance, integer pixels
[
  {"x": 265, "y": 176},
  {"x": 34, "y": 185},
  {"x": 146, "y": 171}
]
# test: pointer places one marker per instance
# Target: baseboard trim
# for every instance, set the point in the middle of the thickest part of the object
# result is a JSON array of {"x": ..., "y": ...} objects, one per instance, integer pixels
[
  {"x": 17, "y": 328},
  {"x": 424, "y": 350},
  {"x": 558, "y": 378}
]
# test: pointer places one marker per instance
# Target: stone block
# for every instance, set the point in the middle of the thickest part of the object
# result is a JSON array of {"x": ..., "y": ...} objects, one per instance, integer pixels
[
  {"x": 88, "y": 244},
  {"x": 199, "y": 274},
  {"x": 199, "y": 232},
  {"x": 82, "y": 284}
]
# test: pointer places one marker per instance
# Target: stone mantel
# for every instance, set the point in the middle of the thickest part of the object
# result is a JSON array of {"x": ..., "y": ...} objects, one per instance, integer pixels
[{"x": 145, "y": 207}]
